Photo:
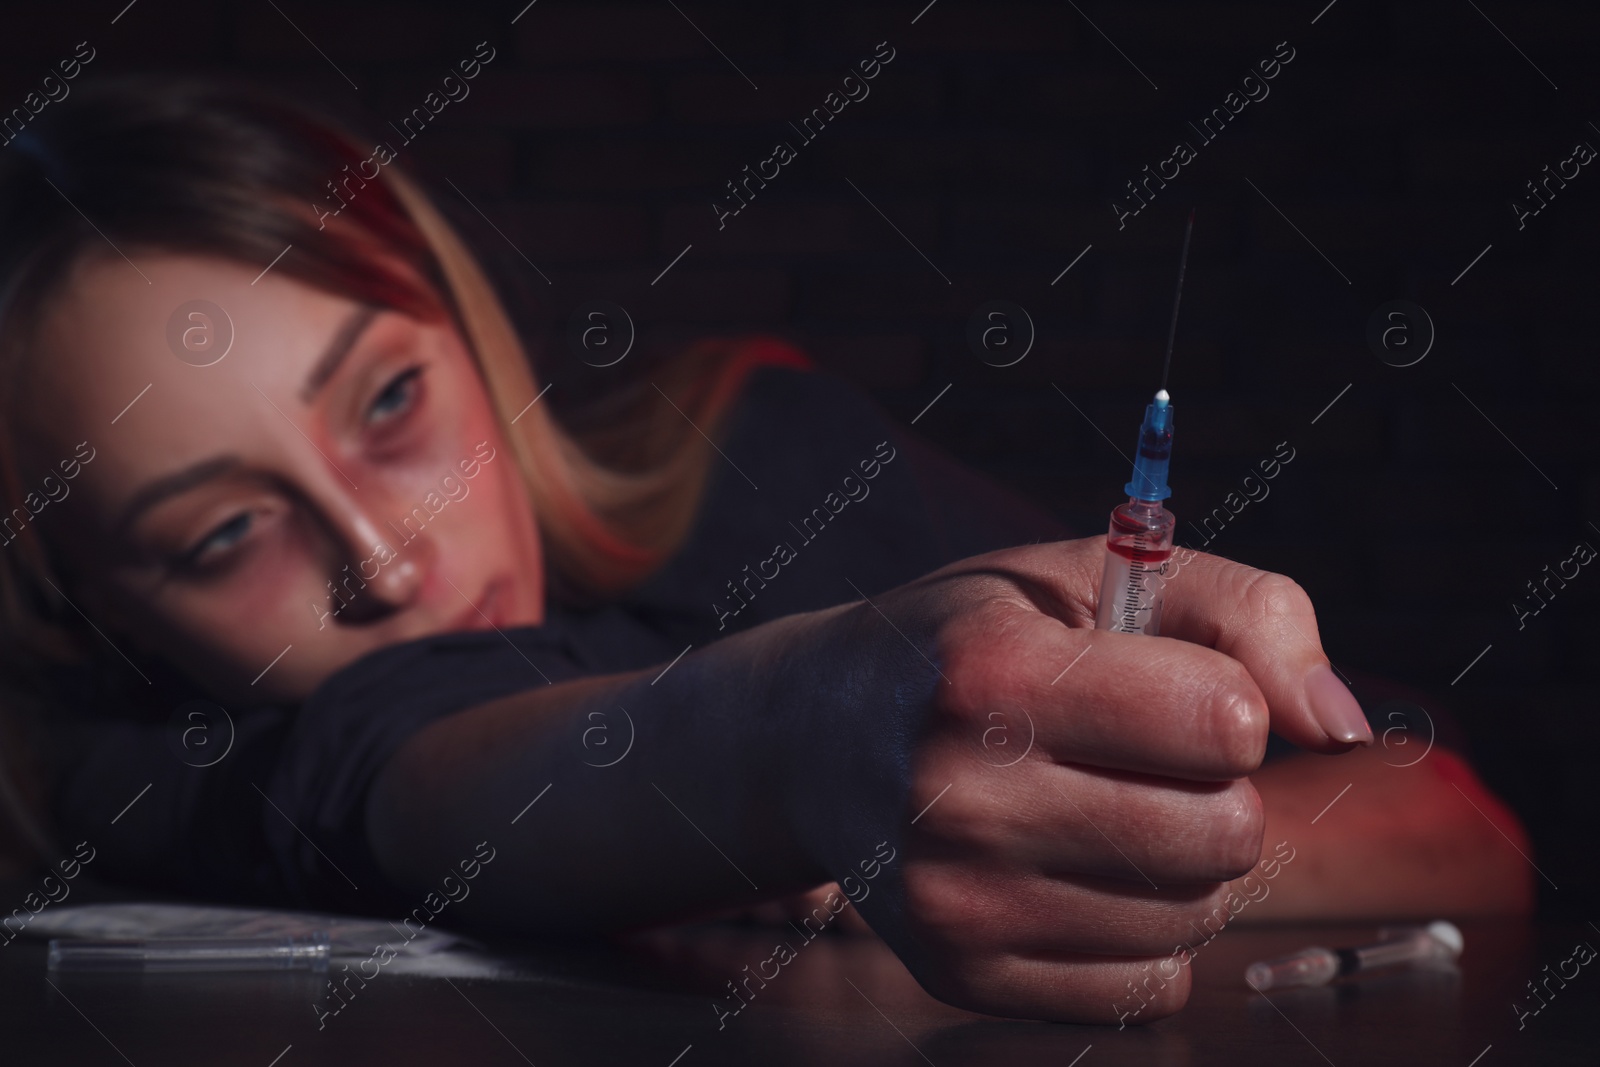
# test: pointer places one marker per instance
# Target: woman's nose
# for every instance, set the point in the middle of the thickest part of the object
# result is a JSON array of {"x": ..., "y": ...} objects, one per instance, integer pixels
[
  {"x": 398, "y": 581},
  {"x": 381, "y": 573}
]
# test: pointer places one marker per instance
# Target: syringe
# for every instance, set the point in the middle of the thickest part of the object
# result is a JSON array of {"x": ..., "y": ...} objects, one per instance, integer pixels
[
  {"x": 1438, "y": 942},
  {"x": 310, "y": 952},
  {"x": 1139, "y": 542}
]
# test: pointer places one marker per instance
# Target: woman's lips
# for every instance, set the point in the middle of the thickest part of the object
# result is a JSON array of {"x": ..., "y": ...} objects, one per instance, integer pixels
[{"x": 488, "y": 612}]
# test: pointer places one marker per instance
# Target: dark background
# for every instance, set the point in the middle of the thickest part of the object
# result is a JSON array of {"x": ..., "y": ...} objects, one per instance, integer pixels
[{"x": 600, "y": 134}]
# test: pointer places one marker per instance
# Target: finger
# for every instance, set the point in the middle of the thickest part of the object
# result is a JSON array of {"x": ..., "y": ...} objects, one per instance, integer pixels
[
  {"x": 1068, "y": 988},
  {"x": 1012, "y": 910},
  {"x": 1142, "y": 830},
  {"x": 1044, "y": 818},
  {"x": 1121, "y": 919},
  {"x": 1266, "y": 622},
  {"x": 1150, "y": 705}
]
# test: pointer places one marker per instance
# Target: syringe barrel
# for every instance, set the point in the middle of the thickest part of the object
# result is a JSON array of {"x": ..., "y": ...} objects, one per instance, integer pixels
[
  {"x": 191, "y": 954},
  {"x": 1312, "y": 966},
  {"x": 1138, "y": 565}
]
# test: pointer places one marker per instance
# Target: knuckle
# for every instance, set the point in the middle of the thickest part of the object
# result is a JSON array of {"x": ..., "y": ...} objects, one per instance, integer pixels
[
  {"x": 965, "y": 982},
  {"x": 1280, "y": 594},
  {"x": 956, "y": 816},
  {"x": 1237, "y": 830},
  {"x": 1237, "y": 720},
  {"x": 977, "y": 654},
  {"x": 945, "y": 911},
  {"x": 961, "y": 655},
  {"x": 1170, "y": 995},
  {"x": 1211, "y": 913}
]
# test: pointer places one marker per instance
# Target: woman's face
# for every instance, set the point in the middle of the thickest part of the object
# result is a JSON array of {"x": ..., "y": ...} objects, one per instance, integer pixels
[{"x": 333, "y": 443}]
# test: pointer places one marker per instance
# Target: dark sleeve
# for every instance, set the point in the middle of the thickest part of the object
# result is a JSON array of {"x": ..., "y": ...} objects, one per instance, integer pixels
[
  {"x": 156, "y": 818},
  {"x": 280, "y": 819}
]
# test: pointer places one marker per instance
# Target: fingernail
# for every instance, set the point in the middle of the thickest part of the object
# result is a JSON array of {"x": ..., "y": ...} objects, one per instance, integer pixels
[{"x": 1335, "y": 708}]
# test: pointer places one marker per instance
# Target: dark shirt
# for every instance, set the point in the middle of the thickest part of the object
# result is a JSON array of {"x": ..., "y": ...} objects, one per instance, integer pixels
[{"x": 817, "y": 489}]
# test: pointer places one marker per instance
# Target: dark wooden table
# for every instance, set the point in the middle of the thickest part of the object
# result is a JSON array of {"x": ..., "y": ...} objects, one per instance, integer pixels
[{"x": 841, "y": 1000}]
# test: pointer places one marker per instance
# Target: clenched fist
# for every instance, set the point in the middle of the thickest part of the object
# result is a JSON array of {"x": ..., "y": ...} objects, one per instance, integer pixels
[{"x": 1066, "y": 803}]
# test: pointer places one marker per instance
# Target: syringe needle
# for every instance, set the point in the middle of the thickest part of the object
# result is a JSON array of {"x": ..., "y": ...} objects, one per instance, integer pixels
[{"x": 1172, "y": 331}]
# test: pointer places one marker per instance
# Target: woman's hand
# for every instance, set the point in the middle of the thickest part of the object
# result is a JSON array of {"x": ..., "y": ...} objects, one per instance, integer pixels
[
  {"x": 1064, "y": 804},
  {"x": 1030, "y": 812}
]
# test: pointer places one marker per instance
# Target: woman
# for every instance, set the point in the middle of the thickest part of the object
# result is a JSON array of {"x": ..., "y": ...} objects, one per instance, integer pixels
[{"x": 277, "y": 477}]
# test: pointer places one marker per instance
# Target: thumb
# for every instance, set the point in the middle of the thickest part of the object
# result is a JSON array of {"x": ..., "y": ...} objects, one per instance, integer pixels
[{"x": 1266, "y": 622}]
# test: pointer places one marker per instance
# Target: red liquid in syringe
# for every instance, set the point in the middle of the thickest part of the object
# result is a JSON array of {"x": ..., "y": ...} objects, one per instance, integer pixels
[{"x": 1138, "y": 545}]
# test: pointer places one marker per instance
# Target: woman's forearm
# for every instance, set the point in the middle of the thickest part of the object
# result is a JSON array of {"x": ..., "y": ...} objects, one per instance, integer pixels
[
  {"x": 681, "y": 811},
  {"x": 1376, "y": 840},
  {"x": 780, "y": 758}
]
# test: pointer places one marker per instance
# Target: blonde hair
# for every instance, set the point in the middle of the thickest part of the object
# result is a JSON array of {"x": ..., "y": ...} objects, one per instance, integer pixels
[
  {"x": 613, "y": 499},
  {"x": 604, "y": 527}
]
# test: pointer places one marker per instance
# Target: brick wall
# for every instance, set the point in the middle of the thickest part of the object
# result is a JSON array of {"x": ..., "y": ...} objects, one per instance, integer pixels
[{"x": 1390, "y": 148}]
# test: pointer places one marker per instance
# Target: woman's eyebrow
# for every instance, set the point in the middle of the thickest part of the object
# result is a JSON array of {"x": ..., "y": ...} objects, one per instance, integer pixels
[
  {"x": 343, "y": 341},
  {"x": 171, "y": 485}
]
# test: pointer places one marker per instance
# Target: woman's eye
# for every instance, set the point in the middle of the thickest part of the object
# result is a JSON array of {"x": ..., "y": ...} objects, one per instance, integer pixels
[
  {"x": 219, "y": 540},
  {"x": 397, "y": 397}
]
